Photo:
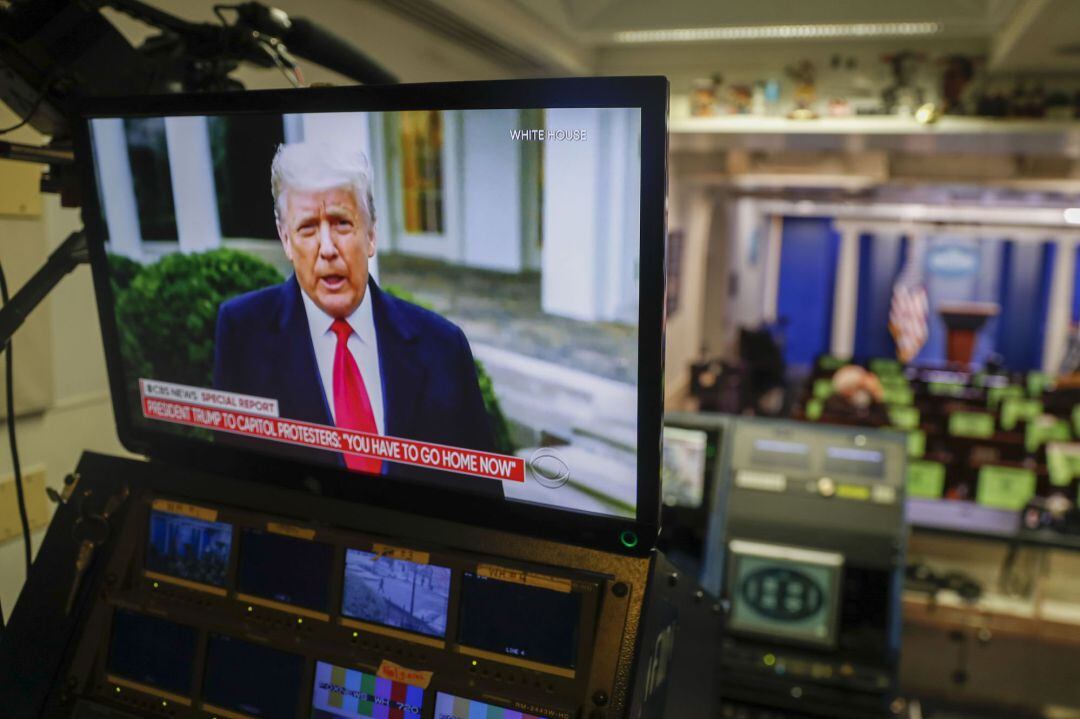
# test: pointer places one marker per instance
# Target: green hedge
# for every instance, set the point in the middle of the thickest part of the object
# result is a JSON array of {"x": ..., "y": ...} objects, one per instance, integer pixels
[{"x": 168, "y": 313}]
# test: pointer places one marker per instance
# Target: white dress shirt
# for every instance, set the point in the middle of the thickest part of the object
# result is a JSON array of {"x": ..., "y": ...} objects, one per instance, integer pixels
[{"x": 362, "y": 344}]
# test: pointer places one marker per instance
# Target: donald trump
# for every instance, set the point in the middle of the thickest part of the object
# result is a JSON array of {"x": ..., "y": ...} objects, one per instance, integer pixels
[{"x": 333, "y": 348}]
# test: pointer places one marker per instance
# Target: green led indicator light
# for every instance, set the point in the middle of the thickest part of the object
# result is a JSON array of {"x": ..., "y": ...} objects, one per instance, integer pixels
[
  {"x": 629, "y": 539},
  {"x": 769, "y": 660}
]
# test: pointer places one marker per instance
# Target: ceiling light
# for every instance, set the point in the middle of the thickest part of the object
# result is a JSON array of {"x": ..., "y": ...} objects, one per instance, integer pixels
[
  {"x": 1072, "y": 215},
  {"x": 780, "y": 32}
]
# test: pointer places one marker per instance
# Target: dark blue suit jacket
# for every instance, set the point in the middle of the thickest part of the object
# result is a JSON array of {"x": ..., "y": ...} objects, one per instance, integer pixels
[{"x": 430, "y": 389}]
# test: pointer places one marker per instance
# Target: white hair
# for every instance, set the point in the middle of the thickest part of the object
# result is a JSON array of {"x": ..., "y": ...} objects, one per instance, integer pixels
[{"x": 315, "y": 166}]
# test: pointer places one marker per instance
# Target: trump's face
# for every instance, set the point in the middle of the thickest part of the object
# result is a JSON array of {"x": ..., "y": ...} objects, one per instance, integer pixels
[{"x": 328, "y": 241}]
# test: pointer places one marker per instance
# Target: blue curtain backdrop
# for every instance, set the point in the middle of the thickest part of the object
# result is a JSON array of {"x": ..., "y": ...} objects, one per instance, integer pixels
[
  {"x": 881, "y": 257},
  {"x": 1025, "y": 297},
  {"x": 1076, "y": 290},
  {"x": 805, "y": 290}
]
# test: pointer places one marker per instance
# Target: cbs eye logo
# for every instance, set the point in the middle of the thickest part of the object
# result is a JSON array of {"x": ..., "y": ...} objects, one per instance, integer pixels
[
  {"x": 548, "y": 468},
  {"x": 783, "y": 595}
]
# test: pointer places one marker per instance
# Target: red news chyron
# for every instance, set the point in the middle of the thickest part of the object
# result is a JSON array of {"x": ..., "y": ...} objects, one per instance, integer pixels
[{"x": 393, "y": 449}]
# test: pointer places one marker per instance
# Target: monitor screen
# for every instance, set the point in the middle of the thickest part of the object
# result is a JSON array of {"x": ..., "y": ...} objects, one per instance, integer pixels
[
  {"x": 448, "y": 706},
  {"x": 396, "y": 592},
  {"x": 249, "y": 679},
  {"x": 349, "y": 693},
  {"x": 784, "y": 592},
  {"x": 190, "y": 549},
  {"x": 450, "y": 297},
  {"x": 491, "y": 621},
  {"x": 151, "y": 652},
  {"x": 686, "y": 457},
  {"x": 286, "y": 570},
  {"x": 852, "y": 461},
  {"x": 780, "y": 454}
]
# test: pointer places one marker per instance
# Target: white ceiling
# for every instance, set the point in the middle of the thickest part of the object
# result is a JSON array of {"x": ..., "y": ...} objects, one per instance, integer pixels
[
  {"x": 578, "y": 36},
  {"x": 595, "y": 21}
]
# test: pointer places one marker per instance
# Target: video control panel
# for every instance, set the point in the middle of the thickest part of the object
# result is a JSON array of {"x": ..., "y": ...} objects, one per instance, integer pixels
[{"x": 214, "y": 612}]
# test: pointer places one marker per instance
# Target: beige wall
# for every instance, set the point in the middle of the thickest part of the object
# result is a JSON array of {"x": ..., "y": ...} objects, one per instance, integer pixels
[
  {"x": 79, "y": 414},
  {"x": 64, "y": 354}
]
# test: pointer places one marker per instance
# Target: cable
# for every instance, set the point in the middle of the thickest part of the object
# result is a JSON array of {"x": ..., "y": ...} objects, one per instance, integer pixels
[
  {"x": 10, "y": 381},
  {"x": 42, "y": 94}
]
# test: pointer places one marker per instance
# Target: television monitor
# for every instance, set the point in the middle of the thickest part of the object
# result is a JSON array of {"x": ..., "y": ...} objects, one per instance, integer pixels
[
  {"x": 250, "y": 680},
  {"x": 152, "y": 655},
  {"x": 686, "y": 463},
  {"x": 438, "y": 297},
  {"x": 343, "y": 693},
  {"x": 784, "y": 593},
  {"x": 396, "y": 593},
  {"x": 449, "y": 706},
  {"x": 490, "y": 623},
  {"x": 188, "y": 550},
  {"x": 275, "y": 569}
]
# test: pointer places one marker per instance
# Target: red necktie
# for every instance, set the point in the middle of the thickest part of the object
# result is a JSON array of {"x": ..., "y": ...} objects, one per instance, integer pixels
[{"x": 352, "y": 408}]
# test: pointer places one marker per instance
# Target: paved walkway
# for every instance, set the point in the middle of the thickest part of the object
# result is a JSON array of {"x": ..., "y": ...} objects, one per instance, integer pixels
[{"x": 504, "y": 311}]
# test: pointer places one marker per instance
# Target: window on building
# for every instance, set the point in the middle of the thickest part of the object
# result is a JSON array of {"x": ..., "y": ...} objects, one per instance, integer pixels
[
  {"x": 243, "y": 147},
  {"x": 421, "y": 171},
  {"x": 148, "y": 154}
]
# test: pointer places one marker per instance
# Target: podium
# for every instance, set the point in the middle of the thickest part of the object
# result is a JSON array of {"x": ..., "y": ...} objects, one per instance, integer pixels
[{"x": 963, "y": 320}]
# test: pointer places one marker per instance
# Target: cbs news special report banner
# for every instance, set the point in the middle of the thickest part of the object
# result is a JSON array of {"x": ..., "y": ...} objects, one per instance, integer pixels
[{"x": 449, "y": 296}]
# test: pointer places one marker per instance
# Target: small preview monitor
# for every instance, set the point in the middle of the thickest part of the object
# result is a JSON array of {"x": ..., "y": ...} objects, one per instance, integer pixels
[
  {"x": 779, "y": 454},
  {"x": 250, "y": 679},
  {"x": 520, "y": 623},
  {"x": 483, "y": 323},
  {"x": 396, "y": 593},
  {"x": 152, "y": 655},
  {"x": 448, "y": 706},
  {"x": 341, "y": 693},
  {"x": 290, "y": 571},
  {"x": 784, "y": 593},
  {"x": 855, "y": 462},
  {"x": 193, "y": 550},
  {"x": 686, "y": 458}
]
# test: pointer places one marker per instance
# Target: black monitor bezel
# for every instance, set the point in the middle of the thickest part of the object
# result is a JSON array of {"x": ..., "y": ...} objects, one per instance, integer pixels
[{"x": 649, "y": 94}]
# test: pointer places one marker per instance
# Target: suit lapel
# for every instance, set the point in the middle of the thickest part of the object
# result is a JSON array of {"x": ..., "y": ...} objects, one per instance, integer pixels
[
  {"x": 301, "y": 389},
  {"x": 402, "y": 376}
]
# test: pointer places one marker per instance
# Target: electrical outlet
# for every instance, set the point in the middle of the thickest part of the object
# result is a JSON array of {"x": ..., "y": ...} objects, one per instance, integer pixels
[{"x": 37, "y": 503}]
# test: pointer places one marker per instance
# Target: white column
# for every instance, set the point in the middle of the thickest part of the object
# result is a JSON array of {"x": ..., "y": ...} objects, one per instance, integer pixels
[
  {"x": 293, "y": 126},
  {"x": 492, "y": 167},
  {"x": 116, "y": 187},
  {"x": 771, "y": 277},
  {"x": 1059, "y": 308},
  {"x": 571, "y": 257},
  {"x": 192, "y": 170},
  {"x": 845, "y": 293}
]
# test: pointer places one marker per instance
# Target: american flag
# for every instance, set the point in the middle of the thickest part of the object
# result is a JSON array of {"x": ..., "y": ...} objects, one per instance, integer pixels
[{"x": 910, "y": 308}]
